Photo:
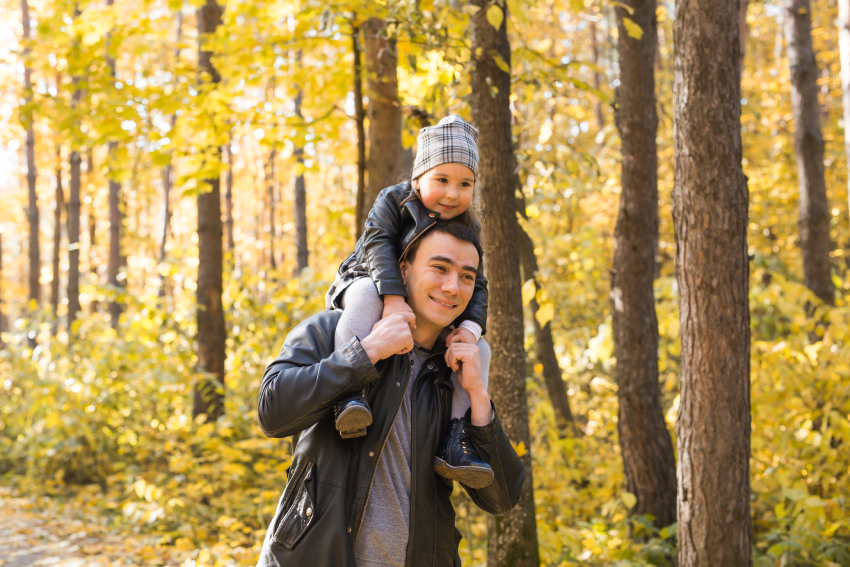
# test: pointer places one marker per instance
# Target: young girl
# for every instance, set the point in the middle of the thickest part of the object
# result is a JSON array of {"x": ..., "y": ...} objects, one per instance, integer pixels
[{"x": 369, "y": 285}]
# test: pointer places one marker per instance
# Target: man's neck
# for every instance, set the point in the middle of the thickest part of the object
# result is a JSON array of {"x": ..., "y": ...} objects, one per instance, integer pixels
[{"x": 426, "y": 335}]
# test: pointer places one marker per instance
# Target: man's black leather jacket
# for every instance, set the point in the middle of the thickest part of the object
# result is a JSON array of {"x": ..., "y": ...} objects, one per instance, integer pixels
[
  {"x": 321, "y": 510},
  {"x": 391, "y": 228}
]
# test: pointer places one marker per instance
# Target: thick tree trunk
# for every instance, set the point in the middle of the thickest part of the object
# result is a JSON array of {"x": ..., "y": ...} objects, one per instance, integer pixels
[
  {"x": 92, "y": 224},
  {"x": 384, "y": 162},
  {"x": 57, "y": 232},
  {"x": 360, "y": 211},
  {"x": 209, "y": 393},
  {"x": 710, "y": 218},
  {"x": 27, "y": 120},
  {"x": 301, "y": 250},
  {"x": 543, "y": 338},
  {"x": 744, "y": 30},
  {"x": 648, "y": 460},
  {"x": 513, "y": 537},
  {"x": 594, "y": 56},
  {"x": 844, "y": 48},
  {"x": 808, "y": 145}
]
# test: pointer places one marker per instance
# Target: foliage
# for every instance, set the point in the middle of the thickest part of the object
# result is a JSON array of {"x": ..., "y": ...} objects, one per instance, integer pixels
[{"x": 101, "y": 424}]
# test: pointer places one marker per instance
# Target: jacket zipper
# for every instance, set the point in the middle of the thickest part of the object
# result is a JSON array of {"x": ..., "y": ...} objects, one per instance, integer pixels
[{"x": 378, "y": 456}]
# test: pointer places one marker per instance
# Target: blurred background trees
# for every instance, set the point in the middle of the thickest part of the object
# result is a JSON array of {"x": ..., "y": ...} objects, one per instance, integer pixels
[{"x": 182, "y": 181}]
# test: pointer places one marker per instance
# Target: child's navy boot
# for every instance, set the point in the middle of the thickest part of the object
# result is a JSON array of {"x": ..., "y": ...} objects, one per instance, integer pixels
[
  {"x": 353, "y": 415},
  {"x": 457, "y": 460}
]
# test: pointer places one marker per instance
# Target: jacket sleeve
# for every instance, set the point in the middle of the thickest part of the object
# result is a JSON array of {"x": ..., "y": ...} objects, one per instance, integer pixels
[
  {"x": 494, "y": 447},
  {"x": 307, "y": 378},
  {"x": 377, "y": 248},
  {"x": 476, "y": 309}
]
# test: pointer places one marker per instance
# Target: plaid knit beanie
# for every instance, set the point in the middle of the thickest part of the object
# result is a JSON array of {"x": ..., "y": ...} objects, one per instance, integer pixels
[{"x": 452, "y": 140}]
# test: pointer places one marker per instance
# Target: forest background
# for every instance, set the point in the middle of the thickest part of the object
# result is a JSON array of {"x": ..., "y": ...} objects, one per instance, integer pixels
[{"x": 129, "y": 131}]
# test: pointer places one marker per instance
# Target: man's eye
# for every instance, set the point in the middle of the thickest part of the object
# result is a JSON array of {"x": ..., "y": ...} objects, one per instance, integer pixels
[{"x": 438, "y": 267}]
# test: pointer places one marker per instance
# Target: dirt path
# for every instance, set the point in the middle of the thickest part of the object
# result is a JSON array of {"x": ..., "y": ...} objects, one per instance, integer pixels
[{"x": 33, "y": 537}]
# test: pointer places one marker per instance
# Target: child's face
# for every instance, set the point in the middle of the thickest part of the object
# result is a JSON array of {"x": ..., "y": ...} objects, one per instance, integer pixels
[{"x": 447, "y": 189}]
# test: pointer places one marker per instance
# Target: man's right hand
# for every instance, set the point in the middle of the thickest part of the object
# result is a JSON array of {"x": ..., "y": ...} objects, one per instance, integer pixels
[{"x": 391, "y": 335}]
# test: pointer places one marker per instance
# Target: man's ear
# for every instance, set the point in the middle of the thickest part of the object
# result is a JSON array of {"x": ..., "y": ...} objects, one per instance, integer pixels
[{"x": 404, "y": 265}]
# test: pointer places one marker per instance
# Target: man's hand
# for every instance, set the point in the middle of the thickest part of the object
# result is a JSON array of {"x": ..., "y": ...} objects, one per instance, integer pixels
[
  {"x": 460, "y": 335},
  {"x": 391, "y": 335},
  {"x": 465, "y": 359},
  {"x": 396, "y": 304}
]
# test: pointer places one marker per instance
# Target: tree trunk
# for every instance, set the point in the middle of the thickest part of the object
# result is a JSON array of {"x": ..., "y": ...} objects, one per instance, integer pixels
[
  {"x": 92, "y": 224},
  {"x": 270, "y": 195},
  {"x": 844, "y": 48},
  {"x": 808, "y": 145},
  {"x": 710, "y": 219},
  {"x": 513, "y": 537},
  {"x": 228, "y": 197},
  {"x": 209, "y": 392},
  {"x": 743, "y": 29},
  {"x": 594, "y": 55},
  {"x": 168, "y": 175},
  {"x": 359, "y": 212},
  {"x": 301, "y": 250},
  {"x": 57, "y": 232},
  {"x": 648, "y": 460},
  {"x": 384, "y": 162},
  {"x": 27, "y": 121},
  {"x": 73, "y": 211},
  {"x": 115, "y": 217}
]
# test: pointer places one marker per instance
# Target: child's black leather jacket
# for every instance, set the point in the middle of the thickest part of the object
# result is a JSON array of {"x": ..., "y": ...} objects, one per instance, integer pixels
[
  {"x": 319, "y": 514},
  {"x": 390, "y": 230}
]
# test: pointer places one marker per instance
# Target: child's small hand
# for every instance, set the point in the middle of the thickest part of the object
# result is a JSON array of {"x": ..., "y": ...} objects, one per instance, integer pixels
[
  {"x": 460, "y": 335},
  {"x": 396, "y": 304}
]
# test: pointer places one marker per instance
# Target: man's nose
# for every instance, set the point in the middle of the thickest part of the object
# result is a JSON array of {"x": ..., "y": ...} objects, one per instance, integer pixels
[{"x": 450, "y": 284}]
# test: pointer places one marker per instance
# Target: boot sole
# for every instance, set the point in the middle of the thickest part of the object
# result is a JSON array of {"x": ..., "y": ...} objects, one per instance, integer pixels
[
  {"x": 352, "y": 422},
  {"x": 473, "y": 477}
]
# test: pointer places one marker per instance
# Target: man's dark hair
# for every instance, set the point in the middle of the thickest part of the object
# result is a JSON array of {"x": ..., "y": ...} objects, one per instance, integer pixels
[{"x": 451, "y": 227}]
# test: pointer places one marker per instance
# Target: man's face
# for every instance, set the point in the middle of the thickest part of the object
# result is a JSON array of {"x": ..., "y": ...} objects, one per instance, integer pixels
[{"x": 441, "y": 278}]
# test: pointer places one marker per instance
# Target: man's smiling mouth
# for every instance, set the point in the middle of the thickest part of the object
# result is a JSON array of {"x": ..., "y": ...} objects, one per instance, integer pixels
[{"x": 447, "y": 305}]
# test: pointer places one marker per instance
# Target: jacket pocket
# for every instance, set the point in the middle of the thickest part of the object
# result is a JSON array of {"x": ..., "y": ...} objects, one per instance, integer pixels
[{"x": 300, "y": 511}]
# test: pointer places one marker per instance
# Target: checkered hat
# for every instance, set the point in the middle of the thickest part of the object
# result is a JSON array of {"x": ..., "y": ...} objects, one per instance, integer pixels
[{"x": 452, "y": 140}]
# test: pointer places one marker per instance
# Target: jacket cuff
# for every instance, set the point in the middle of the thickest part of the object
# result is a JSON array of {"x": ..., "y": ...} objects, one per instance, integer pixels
[
  {"x": 473, "y": 328},
  {"x": 358, "y": 361},
  {"x": 482, "y": 434},
  {"x": 389, "y": 288}
]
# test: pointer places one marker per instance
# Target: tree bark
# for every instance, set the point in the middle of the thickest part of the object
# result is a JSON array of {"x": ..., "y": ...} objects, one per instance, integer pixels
[
  {"x": 844, "y": 48},
  {"x": 384, "y": 161},
  {"x": 209, "y": 392},
  {"x": 27, "y": 121},
  {"x": 359, "y": 212},
  {"x": 301, "y": 250},
  {"x": 228, "y": 197},
  {"x": 543, "y": 337},
  {"x": 168, "y": 174},
  {"x": 594, "y": 55},
  {"x": 743, "y": 29},
  {"x": 73, "y": 216},
  {"x": 808, "y": 145},
  {"x": 92, "y": 224},
  {"x": 513, "y": 537},
  {"x": 710, "y": 219},
  {"x": 648, "y": 460},
  {"x": 57, "y": 232}
]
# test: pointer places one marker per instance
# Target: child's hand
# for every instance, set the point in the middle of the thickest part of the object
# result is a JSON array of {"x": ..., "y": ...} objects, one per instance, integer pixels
[
  {"x": 396, "y": 304},
  {"x": 460, "y": 335}
]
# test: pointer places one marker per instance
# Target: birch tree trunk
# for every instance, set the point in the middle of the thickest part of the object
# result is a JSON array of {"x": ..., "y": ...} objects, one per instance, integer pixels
[
  {"x": 648, "y": 460},
  {"x": 710, "y": 218},
  {"x": 73, "y": 216},
  {"x": 209, "y": 393},
  {"x": 808, "y": 145},
  {"x": 27, "y": 122},
  {"x": 384, "y": 161},
  {"x": 512, "y": 537}
]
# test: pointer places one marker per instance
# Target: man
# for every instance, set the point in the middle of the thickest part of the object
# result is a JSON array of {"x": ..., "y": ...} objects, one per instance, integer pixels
[{"x": 375, "y": 501}]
